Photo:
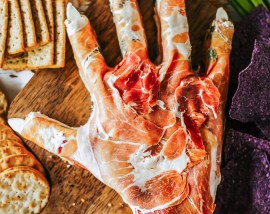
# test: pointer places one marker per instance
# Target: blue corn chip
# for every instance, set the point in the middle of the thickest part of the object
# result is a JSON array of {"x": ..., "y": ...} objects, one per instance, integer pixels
[
  {"x": 251, "y": 101},
  {"x": 245, "y": 181},
  {"x": 264, "y": 127},
  {"x": 245, "y": 185},
  {"x": 260, "y": 182},
  {"x": 252, "y": 27},
  {"x": 234, "y": 193},
  {"x": 237, "y": 143}
]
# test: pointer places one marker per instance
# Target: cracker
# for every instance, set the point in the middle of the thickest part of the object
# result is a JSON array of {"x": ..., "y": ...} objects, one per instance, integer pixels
[
  {"x": 29, "y": 33},
  {"x": 3, "y": 103},
  {"x": 7, "y": 134},
  {"x": 41, "y": 27},
  {"x": 9, "y": 139},
  {"x": 3, "y": 30},
  {"x": 12, "y": 150},
  {"x": 44, "y": 56},
  {"x": 16, "y": 63},
  {"x": 15, "y": 39},
  {"x": 60, "y": 33},
  {"x": 10, "y": 143},
  {"x": 20, "y": 160},
  {"x": 23, "y": 190}
]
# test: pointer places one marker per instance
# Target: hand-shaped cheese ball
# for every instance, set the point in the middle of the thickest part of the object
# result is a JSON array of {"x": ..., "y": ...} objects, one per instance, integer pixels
[{"x": 155, "y": 132}]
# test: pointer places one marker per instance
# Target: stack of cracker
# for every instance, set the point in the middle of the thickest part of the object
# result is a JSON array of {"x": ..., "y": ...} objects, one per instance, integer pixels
[
  {"x": 23, "y": 186},
  {"x": 32, "y": 34}
]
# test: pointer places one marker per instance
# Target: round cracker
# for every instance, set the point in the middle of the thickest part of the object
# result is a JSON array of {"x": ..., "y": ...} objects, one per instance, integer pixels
[
  {"x": 4, "y": 143},
  {"x": 6, "y": 133},
  {"x": 12, "y": 150},
  {"x": 20, "y": 160},
  {"x": 23, "y": 190},
  {"x": 3, "y": 104}
]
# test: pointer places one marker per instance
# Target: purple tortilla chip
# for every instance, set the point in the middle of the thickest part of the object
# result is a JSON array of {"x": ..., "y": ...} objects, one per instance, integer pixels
[
  {"x": 251, "y": 101},
  {"x": 264, "y": 126},
  {"x": 234, "y": 194},
  {"x": 260, "y": 182},
  {"x": 245, "y": 185},
  {"x": 237, "y": 143},
  {"x": 254, "y": 26},
  {"x": 245, "y": 182}
]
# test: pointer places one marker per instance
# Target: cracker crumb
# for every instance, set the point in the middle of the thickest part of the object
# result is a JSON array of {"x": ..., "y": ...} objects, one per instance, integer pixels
[
  {"x": 68, "y": 166},
  {"x": 50, "y": 156},
  {"x": 109, "y": 205},
  {"x": 82, "y": 200},
  {"x": 122, "y": 205},
  {"x": 73, "y": 204}
]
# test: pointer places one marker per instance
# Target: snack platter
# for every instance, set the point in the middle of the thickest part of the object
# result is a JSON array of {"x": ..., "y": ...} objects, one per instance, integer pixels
[{"x": 59, "y": 93}]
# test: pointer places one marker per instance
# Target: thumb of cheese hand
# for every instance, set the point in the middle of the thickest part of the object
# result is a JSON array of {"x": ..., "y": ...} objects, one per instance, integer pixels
[{"x": 69, "y": 143}]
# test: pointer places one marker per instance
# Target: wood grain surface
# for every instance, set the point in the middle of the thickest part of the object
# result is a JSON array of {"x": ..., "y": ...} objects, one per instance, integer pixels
[{"x": 61, "y": 95}]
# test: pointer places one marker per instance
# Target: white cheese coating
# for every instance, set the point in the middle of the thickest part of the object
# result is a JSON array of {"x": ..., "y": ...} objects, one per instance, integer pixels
[
  {"x": 125, "y": 17},
  {"x": 17, "y": 124},
  {"x": 75, "y": 21},
  {"x": 221, "y": 14},
  {"x": 176, "y": 24},
  {"x": 214, "y": 180},
  {"x": 85, "y": 154},
  {"x": 147, "y": 167}
]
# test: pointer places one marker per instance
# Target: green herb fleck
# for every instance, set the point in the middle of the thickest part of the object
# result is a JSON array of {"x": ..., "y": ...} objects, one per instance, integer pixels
[{"x": 212, "y": 54}]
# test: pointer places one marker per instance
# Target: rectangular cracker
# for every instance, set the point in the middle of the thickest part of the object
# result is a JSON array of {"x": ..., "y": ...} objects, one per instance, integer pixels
[
  {"x": 15, "y": 40},
  {"x": 43, "y": 56},
  {"x": 23, "y": 61},
  {"x": 41, "y": 27},
  {"x": 3, "y": 28},
  {"x": 16, "y": 63},
  {"x": 60, "y": 33},
  {"x": 29, "y": 32}
]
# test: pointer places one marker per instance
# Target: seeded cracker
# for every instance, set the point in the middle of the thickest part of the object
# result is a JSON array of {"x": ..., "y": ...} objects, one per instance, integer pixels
[
  {"x": 60, "y": 33},
  {"x": 16, "y": 63},
  {"x": 3, "y": 30},
  {"x": 15, "y": 39},
  {"x": 44, "y": 56},
  {"x": 41, "y": 27},
  {"x": 29, "y": 33}
]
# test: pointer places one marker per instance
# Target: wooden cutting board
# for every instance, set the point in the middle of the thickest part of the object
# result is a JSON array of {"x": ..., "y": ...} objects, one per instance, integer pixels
[{"x": 61, "y": 95}]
